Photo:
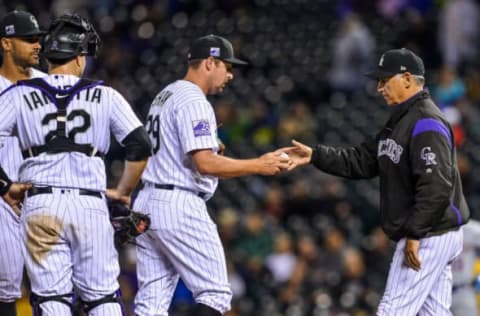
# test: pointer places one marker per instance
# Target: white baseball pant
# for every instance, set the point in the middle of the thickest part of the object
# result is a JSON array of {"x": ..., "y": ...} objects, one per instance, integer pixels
[
  {"x": 183, "y": 241},
  {"x": 11, "y": 259},
  {"x": 69, "y": 241},
  {"x": 428, "y": 291}
]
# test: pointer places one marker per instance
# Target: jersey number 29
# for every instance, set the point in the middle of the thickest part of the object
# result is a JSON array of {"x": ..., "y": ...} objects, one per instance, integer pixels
[{"x": 153, "y": 129}]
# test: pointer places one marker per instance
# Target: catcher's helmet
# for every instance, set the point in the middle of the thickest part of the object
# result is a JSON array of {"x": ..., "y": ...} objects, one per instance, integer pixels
[{"x": 70, "y": 35}]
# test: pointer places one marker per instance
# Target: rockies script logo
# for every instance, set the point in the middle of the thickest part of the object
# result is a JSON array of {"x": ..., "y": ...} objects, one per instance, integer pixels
[
  {"x": 388, "y": 147},
  {"x": 429, "y": 156}
]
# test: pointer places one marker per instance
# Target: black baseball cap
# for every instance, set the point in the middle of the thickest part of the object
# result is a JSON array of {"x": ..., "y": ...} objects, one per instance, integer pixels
[
  {"x": 215, "y": 46},
  {"x": 397, "y": 61},
  {"x": 19, "y": 24}
]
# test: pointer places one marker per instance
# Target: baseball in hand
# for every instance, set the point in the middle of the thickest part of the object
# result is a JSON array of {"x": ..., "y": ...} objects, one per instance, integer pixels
[{"x": 284, "y": 155}]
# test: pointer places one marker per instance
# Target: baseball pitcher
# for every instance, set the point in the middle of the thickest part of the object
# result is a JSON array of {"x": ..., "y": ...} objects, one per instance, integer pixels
[{"x": 181, "y": 175}]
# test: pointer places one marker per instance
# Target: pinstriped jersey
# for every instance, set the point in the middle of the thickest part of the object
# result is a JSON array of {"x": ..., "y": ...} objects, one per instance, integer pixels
[
  {"x": 180, "y": 120},
  {"x": 10, "y": 154},
  {"x": 93, "y": 114},
  {"x": 463, "y": 266}
]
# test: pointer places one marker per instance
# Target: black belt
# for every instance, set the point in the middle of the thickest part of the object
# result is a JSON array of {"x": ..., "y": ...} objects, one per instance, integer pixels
[
  {"x": 172, "y": 187},
  {"x": 49, "y": 190},
  {"x": 81, "y": 148}
]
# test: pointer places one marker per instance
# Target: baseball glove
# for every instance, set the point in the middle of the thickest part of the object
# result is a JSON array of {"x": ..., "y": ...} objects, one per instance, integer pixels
[{"x": 126, "y": 223}]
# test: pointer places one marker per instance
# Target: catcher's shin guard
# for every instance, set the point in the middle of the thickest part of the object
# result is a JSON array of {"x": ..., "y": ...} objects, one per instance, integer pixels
[
  {"x": 204, "y": 310},
  {"x": 37, "y": 300},
  {"x": 8, "y": 309},
  {"x": 110, "y": 298}
]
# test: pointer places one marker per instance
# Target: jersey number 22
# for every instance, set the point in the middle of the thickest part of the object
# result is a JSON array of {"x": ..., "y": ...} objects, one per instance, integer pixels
[{"x": 70, "y": 117}]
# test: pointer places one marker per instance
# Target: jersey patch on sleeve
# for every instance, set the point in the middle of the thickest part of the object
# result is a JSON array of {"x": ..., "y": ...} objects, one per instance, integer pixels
[
  {"x": 428, "y": 156},
  {"x": 201, "y": 128}
]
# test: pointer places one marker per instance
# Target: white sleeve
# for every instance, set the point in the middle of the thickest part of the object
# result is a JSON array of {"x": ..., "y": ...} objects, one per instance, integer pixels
[
  {"x": 122, "y": 119},
  {"x": 7, "y": 114},
  {"x": 197, "y": 127},
  {"x": 473, "y": 228}
]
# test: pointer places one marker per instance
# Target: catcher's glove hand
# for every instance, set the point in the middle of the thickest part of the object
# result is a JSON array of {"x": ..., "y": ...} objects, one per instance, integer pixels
[{"x": 127, "y": 224}]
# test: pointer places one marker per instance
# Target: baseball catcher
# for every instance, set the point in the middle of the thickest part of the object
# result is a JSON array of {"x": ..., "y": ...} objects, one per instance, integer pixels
[{"x": 127, "y": 224}]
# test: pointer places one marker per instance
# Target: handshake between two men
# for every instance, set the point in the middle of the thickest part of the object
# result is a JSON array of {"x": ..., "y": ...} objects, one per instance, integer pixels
[{"x": 286, "y": 158}]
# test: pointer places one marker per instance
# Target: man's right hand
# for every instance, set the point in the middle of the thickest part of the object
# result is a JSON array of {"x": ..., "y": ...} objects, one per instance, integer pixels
[
  {"x": 300, "y": 154},
  {"x": 273, "y": 162}
]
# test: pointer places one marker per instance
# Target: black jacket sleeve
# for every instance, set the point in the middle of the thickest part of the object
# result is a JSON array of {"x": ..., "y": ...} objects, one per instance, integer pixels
[
  {"x": 137, "y": 145},
  {"x": 350, "y": 162},
  {"x": 5, "y": 182},
  {"x": 431, "y": 158}
]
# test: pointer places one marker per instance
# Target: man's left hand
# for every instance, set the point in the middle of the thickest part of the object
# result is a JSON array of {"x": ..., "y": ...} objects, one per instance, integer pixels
[
  {"x": 116, "y": 195},
  {"x": 221, "y": 147},
  {"x": 412, "y": 259},
  {"x": 15, "y": 195}
]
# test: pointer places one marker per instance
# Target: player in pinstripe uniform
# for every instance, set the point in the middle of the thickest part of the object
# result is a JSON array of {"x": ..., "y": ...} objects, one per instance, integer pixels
[
  {"x": 421, "y": 198},
  {"x": 20, "y": 42},
  {"x": 64, "y": 125},
  {"x": 464, "y": 301},
  {"x": 181, "y": 175}
]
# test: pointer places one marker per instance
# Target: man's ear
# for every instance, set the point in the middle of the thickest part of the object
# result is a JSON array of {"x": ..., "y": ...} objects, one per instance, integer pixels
[
  {"x": 77, "y": 60},
  {"x": 6, "y": 44},
  {"x": 209, "y": 63},
  {"x": 407, "y": 80}
]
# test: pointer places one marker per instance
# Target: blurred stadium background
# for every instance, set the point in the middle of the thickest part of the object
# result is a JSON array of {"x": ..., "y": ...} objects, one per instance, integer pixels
[{"x": 302, "y": 243}]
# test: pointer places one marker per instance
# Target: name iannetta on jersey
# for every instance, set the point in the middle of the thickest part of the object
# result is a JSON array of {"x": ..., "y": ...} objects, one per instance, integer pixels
[{"x": 37, "y": 98}]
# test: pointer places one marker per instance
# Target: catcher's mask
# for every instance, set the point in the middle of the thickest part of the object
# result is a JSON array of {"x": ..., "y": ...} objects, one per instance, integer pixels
[{"x": 70, "y": 35}]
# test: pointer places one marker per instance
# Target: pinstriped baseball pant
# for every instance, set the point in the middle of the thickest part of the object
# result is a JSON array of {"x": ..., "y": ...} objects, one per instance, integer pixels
[
  {"x": 69, "y": 241},
  {"x": 183, "y": 241},
  {"x": 11, "y": 259},
  {"x": 428, "y": 291}
]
